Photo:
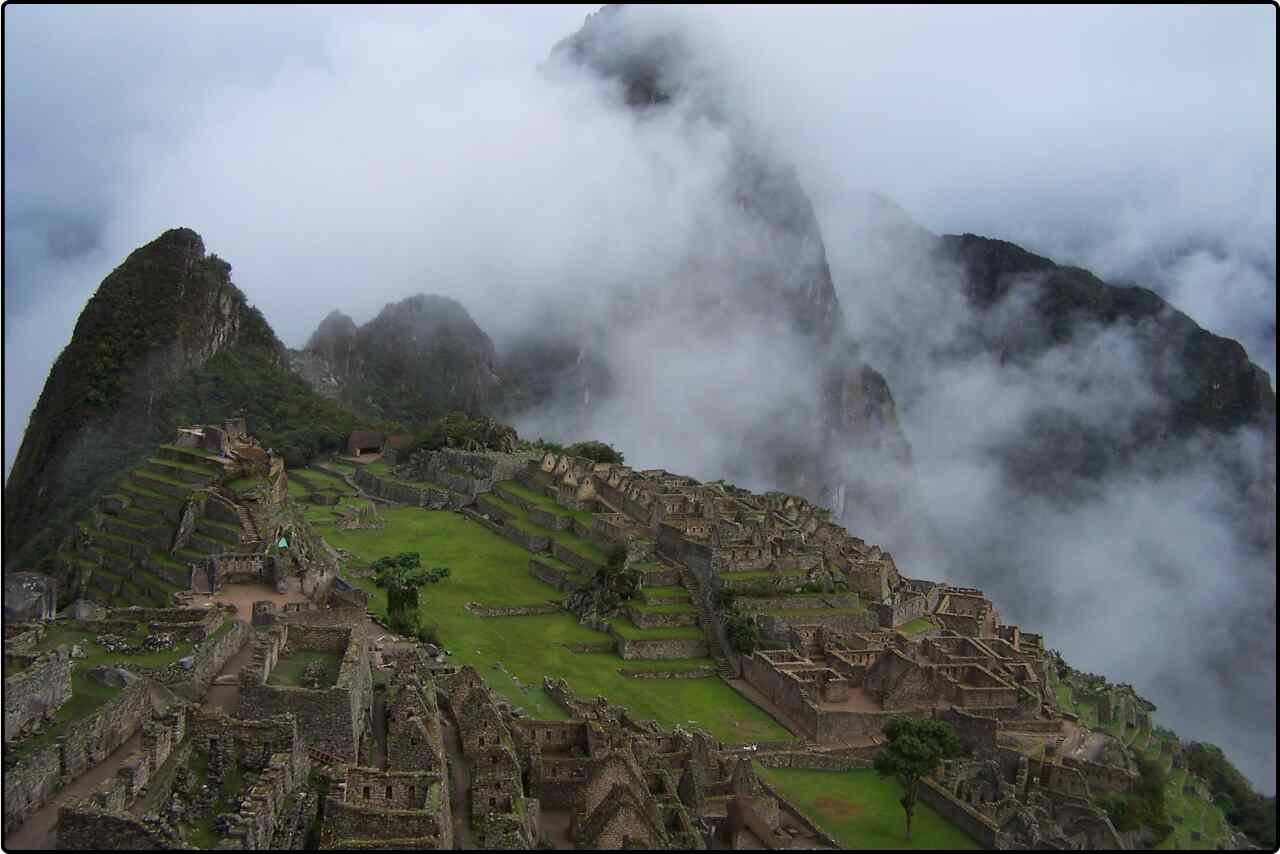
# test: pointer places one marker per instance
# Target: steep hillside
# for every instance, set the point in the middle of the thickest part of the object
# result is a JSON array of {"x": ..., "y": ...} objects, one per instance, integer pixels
[
  {"x": 1206, "y": 382},
  {"x": 166, "y": 337},
  {"x": 418, "y": 359}
]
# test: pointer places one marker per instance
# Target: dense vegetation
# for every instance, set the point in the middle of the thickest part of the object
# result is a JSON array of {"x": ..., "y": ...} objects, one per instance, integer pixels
[
  {"x": 402, "y": 576},
  {"x": 152, "y": 319},
  {"x": 1145, "y": 805},
  {"x": 1253, "y": 814},
  {"x": 283, "y": 411},
  {"x": 914, "y": 750},
  {"x": 460, "y": 430}
]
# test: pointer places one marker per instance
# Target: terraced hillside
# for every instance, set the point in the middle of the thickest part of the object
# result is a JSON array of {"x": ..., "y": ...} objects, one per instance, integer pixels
[
  {"x": 493, "y": 567},
  {"x": 132, "y": 548}
]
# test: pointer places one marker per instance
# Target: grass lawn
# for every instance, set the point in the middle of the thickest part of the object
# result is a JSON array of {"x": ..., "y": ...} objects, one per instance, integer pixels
[
  {"x": 201, "y": 833},
  {"x": 320, "y": 481},
  {"x": 668, "y": 592},
  {"x": 515, "y": 487},
  {"x": 86, "y": 694},
  {"x": 568, "y": 539},
  {"x": 916, "y": 626},
  {"x": 289, "y": 669},
  {"x": 487, "y": 568},
  {"x": 1196, "y": 814},
  {"x": 673, "y": 608},
  {"x": 861, "y": 810},
  {"x": 631, "y": 631}
]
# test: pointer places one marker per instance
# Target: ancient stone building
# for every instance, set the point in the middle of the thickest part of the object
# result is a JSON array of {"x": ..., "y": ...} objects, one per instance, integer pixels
[{"x": 334, "y": 717}]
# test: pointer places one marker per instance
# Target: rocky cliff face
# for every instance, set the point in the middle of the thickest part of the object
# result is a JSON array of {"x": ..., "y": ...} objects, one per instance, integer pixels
[
  {"x": 418, "y": 359},
  {"x": 162, "y": 313}
]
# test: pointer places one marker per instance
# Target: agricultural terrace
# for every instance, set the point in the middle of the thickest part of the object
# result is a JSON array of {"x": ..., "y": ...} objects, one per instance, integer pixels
[{"x": 488, "y": 569}]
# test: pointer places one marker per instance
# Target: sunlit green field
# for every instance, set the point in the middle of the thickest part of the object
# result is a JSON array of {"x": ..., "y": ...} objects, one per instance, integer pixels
[
  {"x": 861, "y": 810},
  {"x": 490, "y": 570}
]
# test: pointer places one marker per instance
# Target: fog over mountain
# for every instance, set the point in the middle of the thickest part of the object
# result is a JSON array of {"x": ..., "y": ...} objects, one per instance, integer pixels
[{"x": 345, "y": 159}]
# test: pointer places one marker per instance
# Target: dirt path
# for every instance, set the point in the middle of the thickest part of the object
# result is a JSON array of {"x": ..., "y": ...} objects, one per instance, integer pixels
[
  {"x": 244, "y": 595},
  {"x": 39, "y": 831},
  {"x": 459, "y": 787},
  {"x": 227, "y": 697}
]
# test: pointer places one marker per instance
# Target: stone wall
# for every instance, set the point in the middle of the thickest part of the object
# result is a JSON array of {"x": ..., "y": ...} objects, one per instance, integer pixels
[
  {"x": 388, "y": 489},
  {"x": 814, "y": 761},
  {"x": 528, "y": 541},
  {"x": 532, "y": 610},
  {"x": 976, "y": 732},
  {"x": 575, "y": 560},
  {"x": 84, "y": 827},
  {"x": 331, "y": 719},
  {"x": 208, "y": 661},
  {"x": 1102, "y": 778},
  {"x": 692, "y": 673},
  {"x": 777, "y": 627},
  {"x": 546, "y": 519},
  {"x": 548, "y": 574},
  {"x": 667, "y": 648},
  {"x": 975, "y": 825},
  {"x": 649, "y": 619},
  {"x": 834, "y": 726},
  {"x": 36, "y": 692},
  {"x": 345, "y": 824},
  {"x": 30, "y": 781},
  {"x": 163, "y": 736}
]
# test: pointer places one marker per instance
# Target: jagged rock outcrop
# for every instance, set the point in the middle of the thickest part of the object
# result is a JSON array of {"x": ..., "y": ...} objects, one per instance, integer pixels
[
  {"x": 418, "y": 359},
  {"x": 165, "y": 311}
]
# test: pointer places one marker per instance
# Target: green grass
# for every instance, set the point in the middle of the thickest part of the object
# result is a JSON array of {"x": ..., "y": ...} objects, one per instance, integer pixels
[
  {"x": 1197, "y": 814},
  {"x": 191, "y": 452},
  {"x": 862, "y": 812},
  {"x": 667, "y": 592},
  {"x": 87, "y": 695},
  {"x": 568, "y": 539},
  {"x": 487, "y": 568},
  {"x": 916, "y": 626},
  {"x": 325, "y": 482},
  {"x": 345, "y": 468},
  {"x": 290, "y": 668},
  {"x": 515, "y": 487},
  {"x": 382, "y": 470},
  {"x": 675, "y": 608},
  {"x": 201, "y": 833},
  {"x": 630, "y": 631},
  {"x": 244, "y": 484},
  {"x": 178, "y": 464}
]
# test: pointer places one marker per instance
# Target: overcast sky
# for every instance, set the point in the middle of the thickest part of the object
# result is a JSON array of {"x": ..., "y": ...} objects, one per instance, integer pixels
[{"x": 347, "y": 157}]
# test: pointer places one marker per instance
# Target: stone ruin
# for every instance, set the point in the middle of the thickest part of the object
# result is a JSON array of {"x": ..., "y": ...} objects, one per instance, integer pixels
[{"x": 29, "y": 596}]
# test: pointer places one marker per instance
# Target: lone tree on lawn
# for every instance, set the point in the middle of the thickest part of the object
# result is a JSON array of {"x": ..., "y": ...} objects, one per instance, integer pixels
[
  {"x": 915, "y": 748},
  {"x": 401, "y": 576}
]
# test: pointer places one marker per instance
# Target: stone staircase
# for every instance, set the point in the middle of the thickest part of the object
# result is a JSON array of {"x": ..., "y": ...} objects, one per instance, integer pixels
[
  {"x": 248, "y": 528},
  {"x": 705, "y": 621}
]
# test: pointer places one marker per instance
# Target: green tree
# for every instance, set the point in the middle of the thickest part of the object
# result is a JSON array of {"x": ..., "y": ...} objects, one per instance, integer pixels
[
  {"x": 597, "y": 452},
  {"x": 401, "y": 576},
  {"x": 915, "y": 748},
  {"x": 742, "y": 631}
]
